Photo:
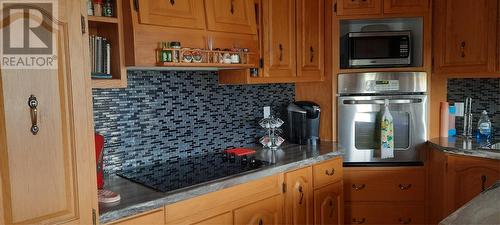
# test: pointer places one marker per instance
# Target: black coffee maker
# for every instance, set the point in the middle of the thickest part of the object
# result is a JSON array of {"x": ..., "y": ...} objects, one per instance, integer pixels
[{"x": 303, "y": 123}]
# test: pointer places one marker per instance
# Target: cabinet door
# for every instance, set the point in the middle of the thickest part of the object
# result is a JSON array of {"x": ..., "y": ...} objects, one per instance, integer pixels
[
  {"x": 278, "y": 38},
  {"x": 328, "y": 205},
  {"x": 48, "y": 177},
  {"x": 172, "y": 13},
  {"x": 235, "y": 16},
  {"x": 264, "y": 212},
  {"x": 310, "y": 39},
  {"x": 156, "y": 217},
  {"x": 299, "y": 197},
  {"x": 406, "y": 6},
  {"x": 384, "y": 213},
  {"x": 359, "y": 7},
  {"x": 224, "y": 219},
  {"x": 465, "y": 36}
]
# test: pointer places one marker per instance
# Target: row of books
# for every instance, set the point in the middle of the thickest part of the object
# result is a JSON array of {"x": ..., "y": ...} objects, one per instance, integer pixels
[{"x": 100, "y": 53}]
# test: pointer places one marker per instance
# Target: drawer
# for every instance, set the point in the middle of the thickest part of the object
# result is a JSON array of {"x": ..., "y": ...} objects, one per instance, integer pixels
[
  {"x": 327, "y": 172},
  {"x": 155, "y": 217},
  {"x": 384, "y": 184},
  {"x": 384, "y": 213}
]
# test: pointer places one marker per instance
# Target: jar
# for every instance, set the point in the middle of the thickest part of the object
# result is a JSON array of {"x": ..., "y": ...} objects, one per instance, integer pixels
[
  {"x": 107, "y": 9},
  {"x": 226, "y": 58},
  {"x": 176, "y": 52},
  {"x": 187, "y": 57},
  {"x": 197, "y": 56},
  {"x": 235, "y": 58},
  {"x": 97, "y": 7}
]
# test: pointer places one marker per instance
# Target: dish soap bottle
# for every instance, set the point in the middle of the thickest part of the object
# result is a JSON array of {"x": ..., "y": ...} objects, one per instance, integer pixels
[
  {"x": 387, "y": 133},
  {"x": 484, "y": 127}
]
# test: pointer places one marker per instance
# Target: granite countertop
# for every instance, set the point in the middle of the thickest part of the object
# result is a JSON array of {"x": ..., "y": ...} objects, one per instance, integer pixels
[
  {"x": 462, "y": 146},
  {"x": 483, "y": 209},
  {"x": 136, "y": 198}
]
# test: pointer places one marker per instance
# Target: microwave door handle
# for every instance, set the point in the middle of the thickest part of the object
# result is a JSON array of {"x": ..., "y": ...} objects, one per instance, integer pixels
[{"x": 381, "y": 102}]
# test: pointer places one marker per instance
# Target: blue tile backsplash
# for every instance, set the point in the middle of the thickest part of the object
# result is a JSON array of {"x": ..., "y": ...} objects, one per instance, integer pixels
[
  {"x": 173, "y": 114},
  {"x": 485, "y": 93}
]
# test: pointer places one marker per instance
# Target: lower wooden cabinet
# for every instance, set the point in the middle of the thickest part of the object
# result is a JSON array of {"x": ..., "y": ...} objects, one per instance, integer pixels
[
  {"x": 384, "y": 213},
  {"x": 328, "y": 205},
  {"x": 265, "y": 212},
  {"x": 226, "y": 218},
  {"x": 299, "y": 197},
  {"x": 155, "y": 217}
]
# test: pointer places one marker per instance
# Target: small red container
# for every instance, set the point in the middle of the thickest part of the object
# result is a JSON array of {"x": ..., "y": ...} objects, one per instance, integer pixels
[{"x": 99, "y": 148}]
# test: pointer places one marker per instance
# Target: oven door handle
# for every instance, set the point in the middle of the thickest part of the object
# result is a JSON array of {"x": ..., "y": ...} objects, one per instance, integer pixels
[{"x": 381, "y": 101}]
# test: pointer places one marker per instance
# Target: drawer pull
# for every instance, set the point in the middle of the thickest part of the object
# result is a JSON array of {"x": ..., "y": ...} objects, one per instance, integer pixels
[
  {"x": 301, "y": 195},
  {"x": 356, "y": 221},
  {"x": 330, "y": 173},
  {"x": 261, "y": 222},
  {"x": 403, "y": 221},
  {"x": 404, "y": 187},
  {"x": 358, "y": 187}
]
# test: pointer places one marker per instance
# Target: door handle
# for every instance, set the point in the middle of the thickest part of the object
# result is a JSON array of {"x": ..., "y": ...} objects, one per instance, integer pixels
[
  {"x": 356, "y": 221},
  {"x": 33, "y": 104},
  {"x": 281, "y": 52},
  {"x": 301, "y": 195},
  {"x": 232, "y": 7},
  {"x": 330, "y": 173},
  {"x": 358, "y": 187},
  {"x": 462, "y": 49},
  {"x": 403, "y": 221},
  {"x": 381, "y": 102},
  {"x": 404, "y": 186},
  {"x": 172, "y": 2},
  {"x": 261, "y": 222},
  {"x": 483, "y": 182},
  {"x": 311, "y": 50}
]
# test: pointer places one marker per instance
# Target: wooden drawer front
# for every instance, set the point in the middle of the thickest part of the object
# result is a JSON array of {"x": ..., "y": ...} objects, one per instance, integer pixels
[
  {"x": 327, "y": 172},
  {"x": 386, "y": 213},
  {"x": 155, "y": 217},
  {"x": 384, "y": 185}
]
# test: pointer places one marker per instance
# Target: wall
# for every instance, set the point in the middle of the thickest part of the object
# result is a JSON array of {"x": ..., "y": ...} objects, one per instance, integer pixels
[
  {"x": 163, "y": 115},
  {"x": 485, "y": 93}
]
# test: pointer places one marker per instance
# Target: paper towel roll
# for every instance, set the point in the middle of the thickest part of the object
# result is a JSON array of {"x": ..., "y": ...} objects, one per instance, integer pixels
[{"x": 444, "y": 125}]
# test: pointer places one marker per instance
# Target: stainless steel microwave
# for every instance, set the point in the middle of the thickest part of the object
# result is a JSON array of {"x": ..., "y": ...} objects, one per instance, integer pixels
[{"x": 379, "y": 49}]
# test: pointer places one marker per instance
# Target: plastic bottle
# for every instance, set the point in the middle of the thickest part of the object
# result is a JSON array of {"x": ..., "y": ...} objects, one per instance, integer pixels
[
  {"x": 452, "y": 131},
  {"x": 387, "y": 133},
  {"x": 484, "y": 127}
]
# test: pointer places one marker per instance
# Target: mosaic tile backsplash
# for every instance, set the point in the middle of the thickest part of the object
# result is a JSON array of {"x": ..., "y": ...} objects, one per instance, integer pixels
[
  {"x": 164, "y": 115},
  {"x": 486, "y": 96}
]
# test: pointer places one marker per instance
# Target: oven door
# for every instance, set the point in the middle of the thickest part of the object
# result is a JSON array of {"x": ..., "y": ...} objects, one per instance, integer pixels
[{"x": 359, "y": 127}]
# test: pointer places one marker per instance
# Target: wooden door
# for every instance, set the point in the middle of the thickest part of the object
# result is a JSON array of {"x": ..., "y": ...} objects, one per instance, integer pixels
[
  {"x": 48, "y": 176},
  {"x": 406, "y": 6},
  {"x": 278, "y": 37},
  {"x": 224, "y": 219},
  {"x": 172, "y": 13},
  {"x": 234, "y": 16},
  {"x": 299, "y": 197},
  {"x": 359, "y": 7},
  {"x": 310, "y": 39},
  {"x": 328, "y": 205},
  {"x": 471, "y": 176},
  {"x": 465, "y": 36},
  {"x": 265, "y": 212}
]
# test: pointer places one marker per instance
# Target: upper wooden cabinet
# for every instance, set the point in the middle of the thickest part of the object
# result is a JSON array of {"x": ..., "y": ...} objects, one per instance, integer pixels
[
  {"x": 46, "y": 140},
  {"x": 328, "y": 205},
  {"x": 172, "y": 13},
  {"x": 234, "y": 16},
  {"x": 359, "y": 7},
  {"x": 278, "y": 38},
  {"x": 299, "y": 197},
  {"x": 406, "y": 6},
  {"x": 310, "y": 39},
  {"x": 465, "y": 36},
  {"x": 265, "y": 212}
]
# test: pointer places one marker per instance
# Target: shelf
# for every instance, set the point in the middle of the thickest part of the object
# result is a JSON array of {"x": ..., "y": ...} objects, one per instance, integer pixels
[
  {"x": 205, "y": 65},
  {"x": 397, "y": 69},
  {"x": 102, "y": 19},
  {"x": 109, "y": 83}
]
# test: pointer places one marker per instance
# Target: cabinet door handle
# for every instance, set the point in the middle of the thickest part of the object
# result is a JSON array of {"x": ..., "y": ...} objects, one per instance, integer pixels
[
  {"x": 33, "y": 104},
  {"x": 358, "y": 187},
  {"x": 404, "y": 186},
  {"x": 462, "y": 49},
  {"x": 330, "y": 173},
  {"x": 356, "y": 221},
  {"x": 232, "y": 7},
  {"x": 332, "y": 207},
  {"x": 311, "y": 50},
  {"x": 301, "y": 195},
  {"x": 403, "y": 221},
  {"x": 281, "y": 52},
  {"x": 483, "y": 182},
  {"x": 261, "y": 222},
  {"x": 172, "y": 2}
]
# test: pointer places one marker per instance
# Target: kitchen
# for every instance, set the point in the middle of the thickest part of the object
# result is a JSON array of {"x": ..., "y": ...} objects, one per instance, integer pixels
[{"x": 251, "y": 112}]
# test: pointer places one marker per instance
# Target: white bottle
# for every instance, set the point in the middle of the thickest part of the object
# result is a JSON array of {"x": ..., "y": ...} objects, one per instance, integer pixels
[
  {"x": 484, "y": 126},
  {"x": 387, "y": 133}
]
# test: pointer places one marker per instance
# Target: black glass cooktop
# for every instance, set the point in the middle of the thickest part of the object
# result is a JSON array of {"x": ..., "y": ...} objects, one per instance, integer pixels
[{"x": 195, "y": 170}]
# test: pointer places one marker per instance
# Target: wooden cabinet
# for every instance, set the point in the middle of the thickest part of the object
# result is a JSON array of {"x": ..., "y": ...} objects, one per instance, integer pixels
[
  {"x": 224, "y": 219},
  {"x": 299, "y": 197},
  {"x": 406, "y": 6},
  {"x": 48, "y": 174},
  {"x": 155, "y": 217},
  {"x": 385, "y": 213},
  {"x": 172, "y": 13},
  {"x": 310, "y": 39},
  {"x": 359, "y": 7},
  {"x": 234, "y": 16},
  {"x": 328, "y": 205},
  {"x": 264, "y": 212},
  {"x": 327, "y": 172},
  {"x": 278, "y": 38},
  {"x": 465, "y": 37}
]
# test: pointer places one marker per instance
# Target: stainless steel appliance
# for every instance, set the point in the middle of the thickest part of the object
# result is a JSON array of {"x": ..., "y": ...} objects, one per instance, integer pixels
[
  {"x": 303, "y": 122},
  {"x": 376, "y": 49},
  {"x": 361, "y": 99}
]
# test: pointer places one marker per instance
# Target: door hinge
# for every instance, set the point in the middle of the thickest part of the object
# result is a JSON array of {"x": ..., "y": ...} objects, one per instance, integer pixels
[
  {"x": 84, "y": 24},
  {"x": 136, "y": 5},
  {"x": 261, "y": 63},
  {"x": 335, "y": 7},
  {"x": 283, "y": 187},
  {"x": 94, "y": 217}
]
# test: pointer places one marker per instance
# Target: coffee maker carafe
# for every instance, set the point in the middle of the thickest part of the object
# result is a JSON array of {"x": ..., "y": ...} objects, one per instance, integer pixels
[{"x": 303, "y": 122}]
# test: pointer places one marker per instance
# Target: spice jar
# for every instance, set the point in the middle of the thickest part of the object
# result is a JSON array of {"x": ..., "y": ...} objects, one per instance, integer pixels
[
  {"x": 176, "y": 52},
  {"x": 107, "y": 9},
  {"x": 97, "y": 7}
]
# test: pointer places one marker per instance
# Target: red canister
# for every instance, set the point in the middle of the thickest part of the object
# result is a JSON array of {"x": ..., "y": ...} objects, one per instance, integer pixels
[{"x": 99, "y": 149}]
